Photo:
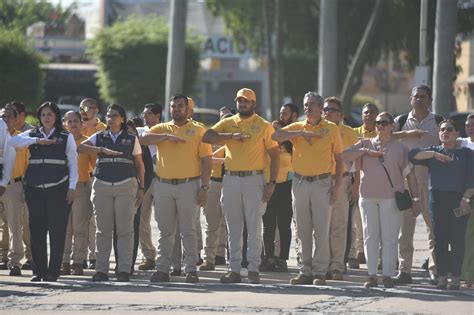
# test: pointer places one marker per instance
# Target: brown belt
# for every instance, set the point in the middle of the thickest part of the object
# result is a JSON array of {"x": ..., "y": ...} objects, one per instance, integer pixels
[
  {"x": 243, "y": 173},
  {"x": 312, "y": 178},
  {"x": 177, "y": 181}
]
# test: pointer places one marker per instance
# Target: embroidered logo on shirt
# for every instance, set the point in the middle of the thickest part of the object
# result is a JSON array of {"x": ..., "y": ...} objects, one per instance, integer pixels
[
  {"x": 190, "y": 132},
  {"x": 126, "y": 141},
  {"x": 323, "y": 131},
  {"x": 255, "y": 128}
]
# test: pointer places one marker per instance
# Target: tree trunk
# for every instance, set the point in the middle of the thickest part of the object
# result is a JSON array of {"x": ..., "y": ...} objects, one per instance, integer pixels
[
  {"x": 358, "y": 61},
  {"x": 176, "y": 47},
  {"x": 268, "y": 32},
  {"x": 327, "y": 68},
  {"x": 443, "y": 67}
]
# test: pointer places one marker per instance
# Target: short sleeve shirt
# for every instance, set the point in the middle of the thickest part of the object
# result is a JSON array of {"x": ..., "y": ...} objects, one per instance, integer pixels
[
  {"x": 247, "y": 155},
  {"x": 181, "y": 160},
  {"x": 318, "y": 158},
  {"x": 349, "y": 137}
]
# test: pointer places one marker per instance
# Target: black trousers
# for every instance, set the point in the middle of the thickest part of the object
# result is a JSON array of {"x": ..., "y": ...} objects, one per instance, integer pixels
[
  {"x": 48, "y": 213},
  {"x": 279, "y": 211}
]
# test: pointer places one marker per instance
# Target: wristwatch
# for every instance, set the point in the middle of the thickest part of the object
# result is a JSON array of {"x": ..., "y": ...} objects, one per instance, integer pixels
[
  {"x": 466, "y": 199},
  {"x": 272, "y": 182},
  {"x": 415, "y": 199},
  {"x": 205, "y": 187}
]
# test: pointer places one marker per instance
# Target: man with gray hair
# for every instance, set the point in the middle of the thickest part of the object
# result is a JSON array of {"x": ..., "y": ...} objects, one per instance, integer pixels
[{"x": 317, "y": 146}]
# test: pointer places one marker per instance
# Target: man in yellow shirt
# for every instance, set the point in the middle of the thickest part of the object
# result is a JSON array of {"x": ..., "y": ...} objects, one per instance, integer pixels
[
  {"x": 12, "y": 201},
  {"x": 367, "y": 130},
  {"x": 317, "y": 146},
  {"x": 247, "y": 139},
  {"x": 91, "y": 124},
  {"x": 332, "y": 111},
  {"x": 183, "y": 172}
]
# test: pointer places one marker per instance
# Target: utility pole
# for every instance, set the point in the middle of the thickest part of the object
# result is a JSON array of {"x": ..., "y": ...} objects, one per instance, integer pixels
[
  {"x": 443, "y": 68},
  {"x": 422, "y": 71},
  {"x": 176, "y": 47},
  {"x": 327, "y": 70}
]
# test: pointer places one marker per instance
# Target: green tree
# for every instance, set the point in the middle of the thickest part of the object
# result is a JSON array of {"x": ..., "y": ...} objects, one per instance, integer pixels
[
  {"x": 21, "y": 78},
  {"x": 19, "y": 14},
  {"x": 131, "y": 57}
]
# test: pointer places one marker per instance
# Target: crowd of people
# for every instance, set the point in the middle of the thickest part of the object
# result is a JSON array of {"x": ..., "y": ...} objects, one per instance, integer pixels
[{"x": 353, "y": 195}]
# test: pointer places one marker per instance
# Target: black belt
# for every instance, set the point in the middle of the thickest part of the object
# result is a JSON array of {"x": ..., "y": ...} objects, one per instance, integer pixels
[
  {"x": 216, "y": 179},
  {"x": 243, "y": 173},
  {"x": 312, "y": 178},
  {"x": 176, "y": 181}
]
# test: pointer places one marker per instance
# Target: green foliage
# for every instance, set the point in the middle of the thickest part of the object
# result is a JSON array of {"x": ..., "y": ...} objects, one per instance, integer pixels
[
  {"x": 32, "y": 120},
  {"x": 19, "y": 14},
  {"x": 359, "y": 100},
  {"x": 131, "y": 57},
  {"x": 21, "y": 78}
]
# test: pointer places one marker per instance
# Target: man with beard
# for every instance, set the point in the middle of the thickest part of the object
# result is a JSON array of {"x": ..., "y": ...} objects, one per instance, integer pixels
[
  {"x": 332, "y": 111},
  {"x": 247, "y": 138},
  {"x": 183, "y": 172},
  {"x": 279, "y": 213},
  {"x": 91, "y": 124},
  {"x": 317, "y": 146}
]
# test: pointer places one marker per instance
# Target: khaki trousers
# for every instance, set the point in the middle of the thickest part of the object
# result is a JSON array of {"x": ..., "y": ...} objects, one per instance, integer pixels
[
  {"x": 175, "y": 206},
  {"x": 14, "y": 207},
  {"x": 407, "y": 231},
  {"x": 357, "y": 236},
  {"x": 92, "y": 230},
  {"x": 214, "y": 218},
  {"x": 114, "y": 206},
  {"x": 242, "y": 202},
  {"x": 4, "y": 236},
  {"x": 313, "y": 217},
  {"x": 146, "y": 243},
  {"x": 222, "y": 238},
  {"x": 177, "y": 256},
  {"x": 338, "y": 227},
  {"x": 81, "y": 213}
]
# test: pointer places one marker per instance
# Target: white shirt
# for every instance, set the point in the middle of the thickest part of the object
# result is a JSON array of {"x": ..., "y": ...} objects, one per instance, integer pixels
[
  {"x": 137, "y": 149},
  {"x": 466, "y": 142},
  {"x": 24, "y": 140},
  {"x": 7, "y": 153}
]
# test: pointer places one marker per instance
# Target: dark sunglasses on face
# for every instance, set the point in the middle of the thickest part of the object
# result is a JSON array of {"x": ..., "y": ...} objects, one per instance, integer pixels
[
  {"x": 447, "y": 129},
  {"x": 383, "y": 123},
  {"x": 85, "y": 108},
  {"x": 330, "y": 110}
]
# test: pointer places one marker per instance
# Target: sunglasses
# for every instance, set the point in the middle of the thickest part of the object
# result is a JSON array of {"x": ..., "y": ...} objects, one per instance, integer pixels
[
  {"x": 86, "y": 108},
  {"x": 447, "y": 129},
  {"x": 330, "y": 110},
  {"x": 383, "y": 123}
]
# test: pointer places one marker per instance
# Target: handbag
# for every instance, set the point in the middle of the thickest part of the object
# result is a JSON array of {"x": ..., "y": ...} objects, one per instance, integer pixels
[{"x": 402, "y": 198}]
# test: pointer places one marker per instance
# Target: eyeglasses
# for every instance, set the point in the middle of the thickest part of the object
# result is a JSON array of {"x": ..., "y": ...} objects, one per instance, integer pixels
[
  {"x": 86, "y": 108},
  {"x": 111, "y": 116},
  {"x": 330, "y": 110},
  {"x": 447, "y": 129},
  {"x": 383, "y": 123}
]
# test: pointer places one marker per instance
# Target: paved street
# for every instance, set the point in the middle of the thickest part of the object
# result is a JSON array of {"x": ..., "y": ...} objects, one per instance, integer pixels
[{"x": 78, "y": 295}]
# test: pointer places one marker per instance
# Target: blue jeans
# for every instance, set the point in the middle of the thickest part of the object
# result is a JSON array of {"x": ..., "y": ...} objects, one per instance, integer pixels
[{"x": 449, "y": 231}]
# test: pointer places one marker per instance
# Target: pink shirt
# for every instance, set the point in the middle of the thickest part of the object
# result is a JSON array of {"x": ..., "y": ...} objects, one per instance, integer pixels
[{"x": 374, "y": 182}]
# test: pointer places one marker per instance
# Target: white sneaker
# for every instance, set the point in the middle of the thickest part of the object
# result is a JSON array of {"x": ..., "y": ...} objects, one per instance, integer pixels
[{"x": 244, "y": 272}]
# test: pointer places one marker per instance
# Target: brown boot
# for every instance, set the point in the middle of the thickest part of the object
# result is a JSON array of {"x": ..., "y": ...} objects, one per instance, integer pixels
[
  {"x": 77, "y": 269},
  {"x": 372, "y": 282},
  {"x": 148, "y": 264}
]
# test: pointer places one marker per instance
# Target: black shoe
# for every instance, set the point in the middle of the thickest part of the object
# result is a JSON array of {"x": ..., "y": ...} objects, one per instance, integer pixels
[
  {"x": 4, "y": 265},
  {"x": 281, "y": 265},
  {"x": 426, "y": 264},
  {"x": 268, "y": 265},
  {"x": 100, "y": 276},
  {"x": 123, "y": 277},
  {"x": 28, "y": 265},
  {"x": 84, "y": 264},
  {"x": 35, "y": 278},
  {"x": 220, "y": 261},
  {"x": 200, "y": 261},
  {"x": 15, "y": 271},
  {"x": 402, "y": 278},
  {"x": 160, "y": 276},
  {"x": 175, "y": 272},
  {"x": 51, "y": 278},
  {"x": 92, "y": 264},
  {"x": 192, "y": 277}
]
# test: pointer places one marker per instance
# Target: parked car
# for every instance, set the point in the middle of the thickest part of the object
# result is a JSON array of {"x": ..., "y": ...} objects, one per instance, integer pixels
[{"x": 64, "y": 108}]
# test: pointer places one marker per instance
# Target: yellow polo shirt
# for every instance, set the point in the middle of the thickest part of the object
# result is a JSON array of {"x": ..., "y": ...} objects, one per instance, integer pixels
[
  {"x": 364, "y": 133},
  {"x": 285, "y": 166},
  {"x": 217, "y": 168},
  {"x": 318, "y": 158},
  {"x": 89, "y": 131},
  {"x": 21, "y": 160},
  {"x": 247, "y": 155},
  {"x": 181, "y": 160},
  {"x": 349, "y": 137},
  {"x": 85, "y": 162}
]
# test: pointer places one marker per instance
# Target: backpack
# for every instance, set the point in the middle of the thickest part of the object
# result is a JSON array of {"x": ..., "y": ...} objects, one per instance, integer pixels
[{"x": 403, "y": 119}]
